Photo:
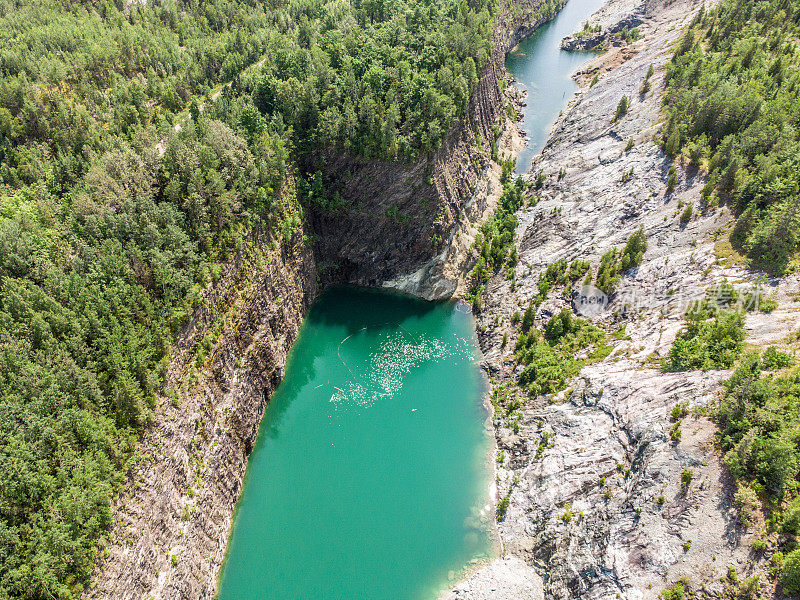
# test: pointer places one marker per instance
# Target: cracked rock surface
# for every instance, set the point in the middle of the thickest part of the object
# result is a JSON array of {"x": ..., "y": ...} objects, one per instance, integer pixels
[{"x": 596, "y": 502}]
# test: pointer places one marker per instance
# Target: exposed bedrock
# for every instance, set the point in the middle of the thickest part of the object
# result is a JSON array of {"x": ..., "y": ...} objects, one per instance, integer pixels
[
  {"x": 173, "y": 519},
  {"x": 596, "y": 502}
]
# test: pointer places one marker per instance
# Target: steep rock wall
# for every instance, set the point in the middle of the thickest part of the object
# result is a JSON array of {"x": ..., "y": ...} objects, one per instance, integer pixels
[
  {"x": 172, "y": 522},
  {"x": 403, "y": 218}
]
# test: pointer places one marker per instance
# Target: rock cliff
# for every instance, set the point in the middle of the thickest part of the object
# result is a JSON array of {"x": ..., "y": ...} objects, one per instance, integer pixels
[
  {"x": 408, "y": 225},
  {"x": 596, "y": 504},
  {"x": 173, "y": 519}
]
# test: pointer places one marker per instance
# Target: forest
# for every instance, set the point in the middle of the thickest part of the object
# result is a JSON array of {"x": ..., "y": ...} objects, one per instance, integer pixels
[
  {"x": 106, "y": 241},
  {"x": 733, "y": 110}
]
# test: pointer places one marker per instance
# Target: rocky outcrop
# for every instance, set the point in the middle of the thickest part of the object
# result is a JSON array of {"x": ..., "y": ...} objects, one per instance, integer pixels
[
  {"x": 172, "y": 522},
  {"x": 602, "y": 27},
  {"x": 404, "y": 226},
  {"x": 596, "y": 502}
]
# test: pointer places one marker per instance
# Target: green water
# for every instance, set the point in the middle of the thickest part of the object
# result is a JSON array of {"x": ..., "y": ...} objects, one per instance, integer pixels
[
  {"x": 370, "y": 475},
  {"x": 542, "y": 68}
]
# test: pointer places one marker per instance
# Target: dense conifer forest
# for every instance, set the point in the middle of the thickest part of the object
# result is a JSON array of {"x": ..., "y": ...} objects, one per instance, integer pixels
[
  {"x": 733, "y": 110},
  {"x": 112, "y": 222}
]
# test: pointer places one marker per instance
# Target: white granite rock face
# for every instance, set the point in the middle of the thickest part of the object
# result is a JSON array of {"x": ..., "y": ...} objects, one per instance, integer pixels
[{"x": 636, "y": 531}]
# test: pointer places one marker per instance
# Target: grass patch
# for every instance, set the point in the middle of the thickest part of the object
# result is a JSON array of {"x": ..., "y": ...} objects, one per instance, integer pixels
[{"x": 726, "y": 254}]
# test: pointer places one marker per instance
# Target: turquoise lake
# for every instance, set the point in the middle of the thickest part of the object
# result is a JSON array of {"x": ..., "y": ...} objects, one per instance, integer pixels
[{"x": 370, "y": 476}]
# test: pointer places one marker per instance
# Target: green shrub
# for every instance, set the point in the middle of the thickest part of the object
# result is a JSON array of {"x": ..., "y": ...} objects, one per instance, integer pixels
[
  {"x": 502, "y": 507},
  {"x": 613, "y": 263},
  {"x": 622, "y": 108},
  {"x": 773, "y": 359},
  {"x": 564, "y": 323},
  {"x": 528, "y": 318},
  {"x": 559, "y": 273},
  {"x": 627, "y": 176},
  {"x": 749, "y": 588},
  {"x": 495, "y": 240},
  {"x": 767, "y": 305},
  {"x": 646, "y": 84},
  {"x": 608, "y": 273},
  {"x": 790, "y": 573},
  {"x": 776, "y": 563},
  {"x": 757, "y": 417},
  {"x": 722, "y": 297},
  {"x": 679, "y": 590},
  {"x": 672, "y": 145},
  {"x": 679, "y": 411},
  {"x": 634, "y": 250},
  {"x": 550, "y": 362},
  {"x": 707, "y": 344},
  {"x": 791, "y": 519},
  {"x": 686, "y": 478},
  {"x": 672, "y": 180}
]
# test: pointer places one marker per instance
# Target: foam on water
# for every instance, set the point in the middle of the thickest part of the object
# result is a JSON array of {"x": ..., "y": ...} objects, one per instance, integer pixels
[{"x": 397, "y": 354}]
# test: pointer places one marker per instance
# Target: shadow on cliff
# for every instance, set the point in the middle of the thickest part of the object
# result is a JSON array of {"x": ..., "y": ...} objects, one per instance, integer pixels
[{"x": 357, "y": 308}]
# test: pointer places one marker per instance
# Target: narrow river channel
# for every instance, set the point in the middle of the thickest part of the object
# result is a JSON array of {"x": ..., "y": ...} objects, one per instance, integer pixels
[
  {"x": 545, "y": 71},
  {"x": 371, "y": 473}
]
